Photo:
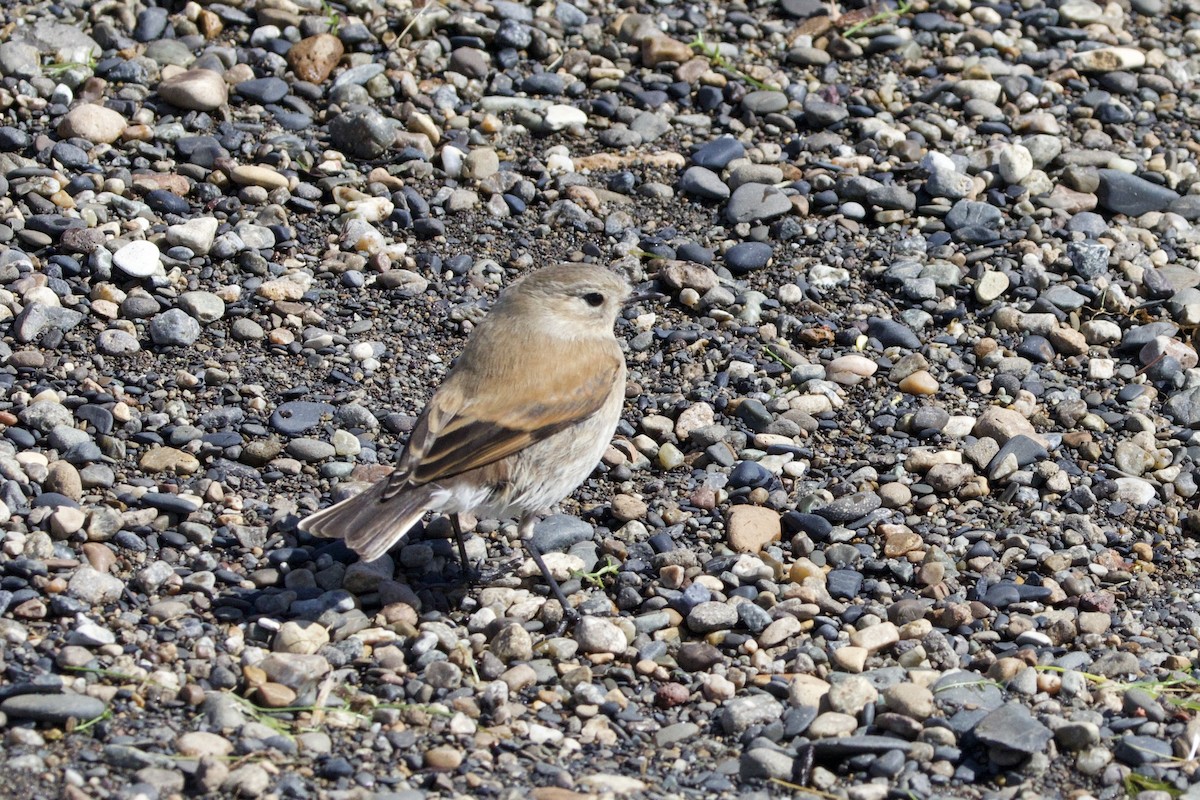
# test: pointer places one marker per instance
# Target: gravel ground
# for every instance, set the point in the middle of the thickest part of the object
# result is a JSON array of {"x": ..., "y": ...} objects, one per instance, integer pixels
[{"x": 902, "y": 503}]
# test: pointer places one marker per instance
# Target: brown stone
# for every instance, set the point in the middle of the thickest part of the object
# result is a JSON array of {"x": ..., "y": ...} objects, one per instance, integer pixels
[
  {"x": 1003, "y": 424},
  {"x": 99, "y": 556},
  {"x": 275, "y": 695},
  {"x": 443, "y": 759},
  {"x": 149, "y": 181},
  {"x": 62, "y": 477},
  {"x": 751, "y": 528},
  {"x": 898, "y": 542},
  {"x": 168, "y": 459},
  {"x": 657, "y": 49},
  {"x": 920, "y": 382},
  {"x": 209, "y": 24},
  {"x": 626, "y": 507},
  {"x": 312, "y": 59}
]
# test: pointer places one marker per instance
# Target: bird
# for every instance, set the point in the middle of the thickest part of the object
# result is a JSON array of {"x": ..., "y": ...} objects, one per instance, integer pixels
[{"x": 520, "y": 421}]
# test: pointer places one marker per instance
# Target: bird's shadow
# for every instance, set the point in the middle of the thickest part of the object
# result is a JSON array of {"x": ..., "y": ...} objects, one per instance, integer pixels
[{"x": 311, "y": 583}]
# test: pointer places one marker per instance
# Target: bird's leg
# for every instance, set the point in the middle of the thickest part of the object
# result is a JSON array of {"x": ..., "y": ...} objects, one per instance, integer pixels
[
  {"x": 462, "y": 545},
  {"x": 526, "y": 532},
  {"x": 476, "y": 574}
]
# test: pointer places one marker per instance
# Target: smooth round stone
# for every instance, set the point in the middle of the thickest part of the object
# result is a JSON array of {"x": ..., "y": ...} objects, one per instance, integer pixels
[
  {"x": 850, "y": 370},
  {"x": 244, "y": 329},
  {"x": 717, "y": 154},
  {"x": 991, "y": 286},
  {"x": 169, "y": 51},
  {"x": 172, "y": 503},
  {"x": 310, "y": 449},
  {"x": 139, "y": 305},
  {"x": 704, "y": 183},
  {"x": 808, "y": 56},
  {"x": 559, "y": 532},
  {"x": 747, "y": 257},
  {"x": 891, "y": 333},
  {"x": 69, "y": 155},
  {"x": 254, "y": 175},
  {"x": 263, "y": 90},
  {"x": 764, "y": 102},
  {"x": 852, "y": 210},
  {"x": 1123, "y": 193},
  {"x": 166, "y": 202},
  {"x": 53, "y": 709},
  {"x": 196, "y": 234},
  {"x": 204, "y": 306},
  {"x": 96, "y": 124},
  {"x": 139, "y": 259},
  {"x": 116, "y": 342},
  {"x": 297, "y": 416},
  {"x": 971, "y": 214},
  {"x": 803, "y": 9},
  {"x": 362, "y": 132},
  {"x": 195, "y": 90},
  {"x": 151, "y": 22},
  {"x": 174, "y": 327},
  {"x": 1016, "y": 162},
  {"x": 754, "y": 202},
  {"x": 821, "y": 114}
]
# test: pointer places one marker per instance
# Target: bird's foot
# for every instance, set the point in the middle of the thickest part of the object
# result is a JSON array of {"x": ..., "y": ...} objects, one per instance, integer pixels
[{"x": 569, "y": 618}]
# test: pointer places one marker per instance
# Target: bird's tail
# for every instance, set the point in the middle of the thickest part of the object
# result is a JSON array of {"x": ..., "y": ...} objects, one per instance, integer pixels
[{"x": 369, "y": 522}]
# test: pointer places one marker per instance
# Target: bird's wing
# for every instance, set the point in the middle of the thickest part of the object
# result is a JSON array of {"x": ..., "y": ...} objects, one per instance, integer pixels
[{"x": 503, "y": 405}]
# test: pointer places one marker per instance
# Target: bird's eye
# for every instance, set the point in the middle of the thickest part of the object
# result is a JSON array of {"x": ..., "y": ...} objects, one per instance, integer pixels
[{"x": 594, "y": 299}]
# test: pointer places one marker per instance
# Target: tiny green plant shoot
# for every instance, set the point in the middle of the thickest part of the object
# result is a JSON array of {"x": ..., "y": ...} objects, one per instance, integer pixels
[
  {"x": 596, "y": 577},
  {"x": 795, "y": 787},
  {"x": 1135, "y": 784},
  {"x": 645, "y": 255},
  {"x": 1182, "y": 693},
  {"x": 58, "y": 68},
  {"x": 901, "y": 9},
  {"x": 332, "y": 17},
  {"x": 774, "y": 356},
  {"x": 713, "y": 53}
]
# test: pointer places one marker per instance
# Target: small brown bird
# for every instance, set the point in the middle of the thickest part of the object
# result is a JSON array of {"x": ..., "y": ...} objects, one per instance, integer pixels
[{"x": 520, "y": 421}]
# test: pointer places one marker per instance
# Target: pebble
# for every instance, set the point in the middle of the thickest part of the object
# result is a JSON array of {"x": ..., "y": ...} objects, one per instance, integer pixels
[
  {"x": 756, "y": 202},
  {"x": 1011, "y": 727},
  {"x": 94, "y": 588},
  {"x": 96, "y": 124},
  {"x": 196, "y": 235},
  {"x": 314, "y": 58},
  {"x": 174, "y": 327},
  {"x": 1122, "y": 193},
  {"x": 53, "y": 709},
  {"x": 139, "y": 259},
  {"x": 195, "y": 90},
  {"x": 598, "y": 635},
  {"x": 752, "y": 528}
]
